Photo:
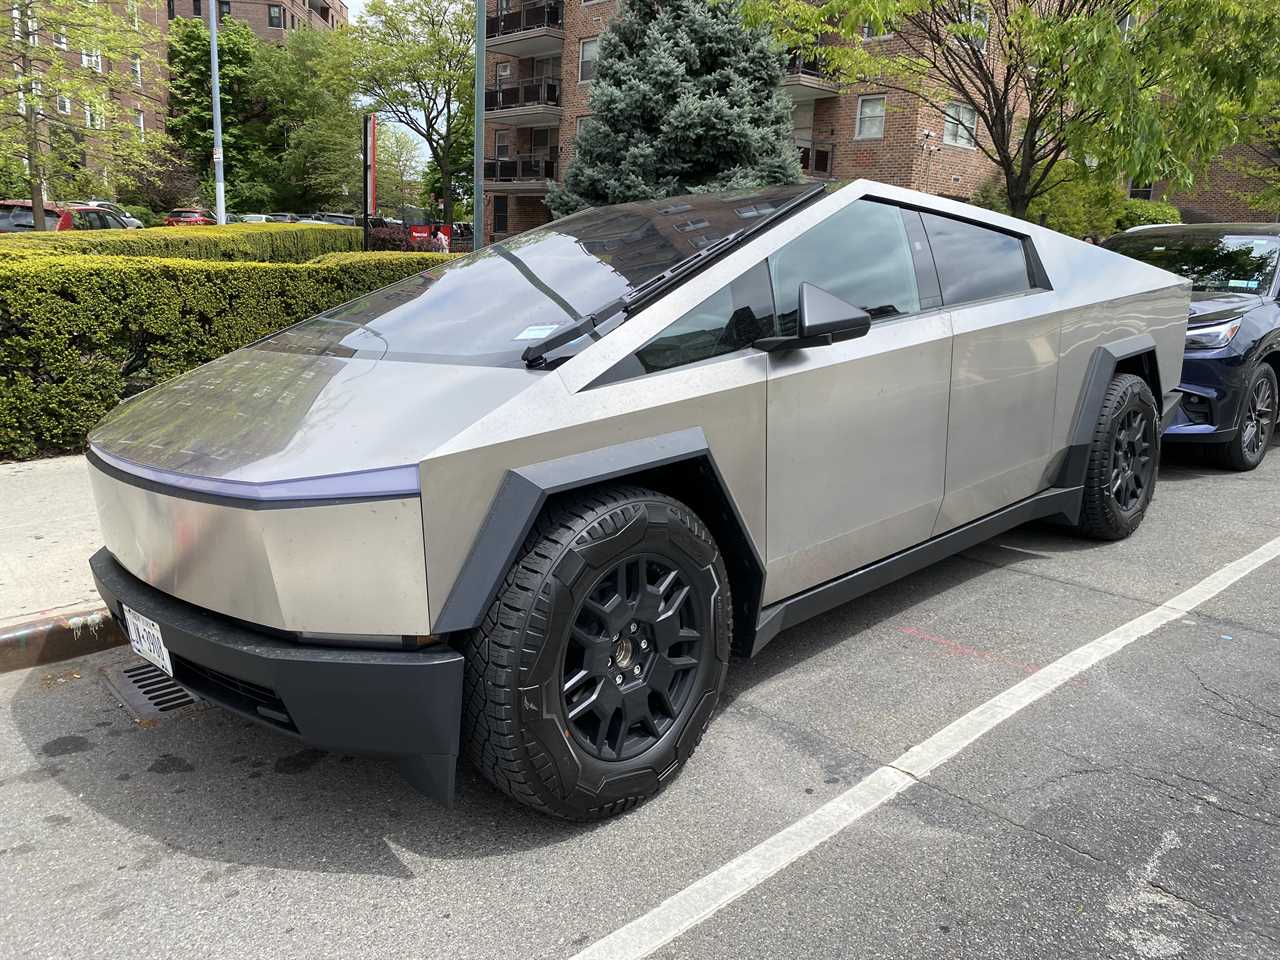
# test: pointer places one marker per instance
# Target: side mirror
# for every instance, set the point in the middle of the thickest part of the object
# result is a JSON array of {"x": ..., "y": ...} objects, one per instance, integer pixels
[
  {"x": 823, "y": 318},
  {"x": 822, "y": 314}
]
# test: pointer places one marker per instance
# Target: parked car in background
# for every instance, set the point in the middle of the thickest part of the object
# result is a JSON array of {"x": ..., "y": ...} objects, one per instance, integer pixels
[
  {"x": 340, "y": 219},
  {"x": 315, "y": 219},
  {"x": 190, "y": 217},
  {"x": 607, "y": 454},
  {"x": 254, "y": 218},
  {"x": 15, "y": 217},
  {"x": 132, "y": 222},
  {"x": 283, "y": 217},
  {"x": 1232, "y": 359}
]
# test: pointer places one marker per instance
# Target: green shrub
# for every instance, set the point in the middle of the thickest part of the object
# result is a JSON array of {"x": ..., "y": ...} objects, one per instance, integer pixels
[
  {"x": 1080, "y": 206},
  {"x": 1137, "y": 212},
  {"x": 79, "y": 334},
  {"x": 148, "y": 216},
  {"x": 259, "y": 242}
]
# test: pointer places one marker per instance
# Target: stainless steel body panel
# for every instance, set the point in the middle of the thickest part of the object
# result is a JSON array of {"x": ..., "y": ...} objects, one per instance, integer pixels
[
  {"x": 857, "y": 450},
  {"x": 353, "y": 568},
  {"x": 1003, "y": 390}
]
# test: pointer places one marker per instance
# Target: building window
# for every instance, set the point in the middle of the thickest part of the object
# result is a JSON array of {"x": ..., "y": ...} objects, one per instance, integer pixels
[
  {"x": 293, "y": 21},
  {"x": 499, "y": 213},
  {"x": 870, "y": 118},
  {"x": 869, "y": 31},
  {"x": 501, "y": 144},
  {"x": 195, "y": 9},
  {"x": 60, "y": 41},
  {"x": 275, "y": 16},
  {"x": 1139, "y": 191},
  {"x": 64, "y": 104},
  {"x": 1126, "y": 24},
  {"x": 136, "y": 66},
  {"x": 545, "y": 141},
  {"x": 91, "y": 61},
  {"x": 224, "y": 9},
  {"x": 587, "y": 52},
  {"x": 959, "y": 125},
  {"x": 502, "y": 70},
  {"x": 580, "y": 125},
  {"x": 140, "y": 119},
  {"x": 92, "y": 119},
  {"x": 172, "y": 13},
  {"x": 978, "y": 16}
]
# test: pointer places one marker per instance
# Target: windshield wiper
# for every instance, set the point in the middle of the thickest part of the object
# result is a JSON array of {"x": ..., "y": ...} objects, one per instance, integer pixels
[{"x": 535, "y": 355}]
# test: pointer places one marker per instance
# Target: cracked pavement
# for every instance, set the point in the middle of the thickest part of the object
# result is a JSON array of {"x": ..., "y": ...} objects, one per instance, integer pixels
[{"x": 1132, "y": 813}]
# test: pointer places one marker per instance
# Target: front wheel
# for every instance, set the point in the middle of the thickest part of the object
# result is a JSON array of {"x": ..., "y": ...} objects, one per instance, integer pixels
[
  {"x": 599, "y": 664},
  {"x": 1257, "y": 422},
  {"x": 1123, "y": 460}
]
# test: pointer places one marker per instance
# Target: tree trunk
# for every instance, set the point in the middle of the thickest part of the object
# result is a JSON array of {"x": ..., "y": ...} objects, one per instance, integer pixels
[
  {"x": 446, "y": 188},
  {"x": 35, "y": 165}
]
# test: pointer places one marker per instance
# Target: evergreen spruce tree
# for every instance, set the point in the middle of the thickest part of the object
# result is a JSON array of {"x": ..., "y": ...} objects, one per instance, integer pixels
[{"x": 685, "y": 98}]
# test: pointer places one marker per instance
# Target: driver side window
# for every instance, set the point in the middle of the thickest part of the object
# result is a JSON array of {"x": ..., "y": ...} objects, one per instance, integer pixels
[
  {"x": 732, "y": 318},
  {"x": 860, "y": 254}
]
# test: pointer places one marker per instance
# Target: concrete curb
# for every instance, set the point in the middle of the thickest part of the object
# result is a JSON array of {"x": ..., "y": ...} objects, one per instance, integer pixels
[{"x": 55, "y": 638}]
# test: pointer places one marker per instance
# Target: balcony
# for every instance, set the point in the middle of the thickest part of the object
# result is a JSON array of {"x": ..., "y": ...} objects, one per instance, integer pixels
[
  {"x": 527, "y": 30},
  {"x": 526, "y": 102},
  {"x": 815, "y": 158},
  {"x": 806, "y": 82},
  {"x": 526, "y": 173}
]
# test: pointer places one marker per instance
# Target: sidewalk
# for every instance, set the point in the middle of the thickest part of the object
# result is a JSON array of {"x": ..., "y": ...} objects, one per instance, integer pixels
[{"x": 48, "y": 530}]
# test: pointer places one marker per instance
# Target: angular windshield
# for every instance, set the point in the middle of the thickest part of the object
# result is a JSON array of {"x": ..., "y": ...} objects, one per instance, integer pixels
[
  {"x": 487, "y": 307},
  {"x": 1211, "y": 261}
]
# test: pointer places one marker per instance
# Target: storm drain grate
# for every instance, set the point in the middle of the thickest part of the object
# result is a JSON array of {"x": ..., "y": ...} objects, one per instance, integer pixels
[{"x": 146, "y": 691}]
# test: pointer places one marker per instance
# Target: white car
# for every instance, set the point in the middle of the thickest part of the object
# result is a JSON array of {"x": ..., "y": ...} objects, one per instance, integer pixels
[
  {"x": 130, "y": 221},
  {"x": 254, "y": 218}
]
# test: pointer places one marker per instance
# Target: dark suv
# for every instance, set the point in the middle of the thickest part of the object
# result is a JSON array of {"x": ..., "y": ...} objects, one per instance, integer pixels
[{"x": 1232, "y": 355}]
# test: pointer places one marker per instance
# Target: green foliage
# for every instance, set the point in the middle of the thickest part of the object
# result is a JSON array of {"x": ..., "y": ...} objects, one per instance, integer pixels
[
  {"x": 1260, "y": 159},
  {"x": 412, "y": 60},
  {"x": 143, "y": 214},
  {"x": 1134, "y": 213},
  {"x": 1078, "y": 204},
  {"x": 1059, "y": 79},
  {"x": 685, "y": 98},
  {"x": 265, "y": 242},
  {"x": 80, "y": 333}
]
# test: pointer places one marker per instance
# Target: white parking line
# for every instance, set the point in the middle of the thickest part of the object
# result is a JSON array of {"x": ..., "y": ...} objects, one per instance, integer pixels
[{"x": 718, "y": 889}]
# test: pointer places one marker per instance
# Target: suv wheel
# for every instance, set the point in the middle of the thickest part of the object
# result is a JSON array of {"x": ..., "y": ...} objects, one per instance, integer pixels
[
  {"x": 599, "y": 663},
  {"x": 1122, "y": 461},
  {"x": 1257, "y": 422}
]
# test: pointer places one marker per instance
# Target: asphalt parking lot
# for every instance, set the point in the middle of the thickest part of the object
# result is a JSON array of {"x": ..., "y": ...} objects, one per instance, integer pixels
[{"x": 1132, "y": 812}]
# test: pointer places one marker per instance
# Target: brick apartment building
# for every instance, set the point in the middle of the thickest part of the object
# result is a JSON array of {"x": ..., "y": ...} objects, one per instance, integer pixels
[
  {"x": 269, "y": 19},
  {"x": 540, "y": 59}
]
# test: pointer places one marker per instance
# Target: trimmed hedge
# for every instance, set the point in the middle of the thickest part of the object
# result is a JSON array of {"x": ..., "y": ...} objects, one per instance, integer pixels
[
  {"x": 79, "y": 334},
  {"x": 260, "y": 242},
  {"x": 1138, "y": 212}
]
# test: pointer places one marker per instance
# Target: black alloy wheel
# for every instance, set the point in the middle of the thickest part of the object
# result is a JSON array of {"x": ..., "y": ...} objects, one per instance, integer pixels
[
  {"x": 1124, "y": 457},
  {"x": 600, "y": 662},
  {"x": 1133, "y": 463},
  {"x": 634, "y": 649},
  {"x": 1256, "y": 429}
]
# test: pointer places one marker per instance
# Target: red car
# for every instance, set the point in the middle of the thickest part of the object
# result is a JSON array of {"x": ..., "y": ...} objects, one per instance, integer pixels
[
  {"x": 190, "y": 217},
  {"x": 15, "y": 217}
]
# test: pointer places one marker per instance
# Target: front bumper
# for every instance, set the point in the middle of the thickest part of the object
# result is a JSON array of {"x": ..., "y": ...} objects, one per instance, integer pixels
[
  {"x": 1213, "y": 386},
  {"x": 401, "y": 704}
]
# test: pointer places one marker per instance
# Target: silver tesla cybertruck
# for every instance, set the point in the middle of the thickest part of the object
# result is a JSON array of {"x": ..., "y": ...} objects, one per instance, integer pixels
[{"x": 526, "y": 504}]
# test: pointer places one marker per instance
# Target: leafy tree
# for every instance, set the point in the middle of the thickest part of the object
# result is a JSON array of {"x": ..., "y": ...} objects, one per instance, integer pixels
[
  {"x": 246, "y": 118},
  {"x": 68, "y": 94},
  {"x": 399, "y": 168},
  {"x": 685, "y": 98},
  {"x": 1081, "y": 205},
  {"x": 1144, "y": 88},
  {"x": 413, "y": 61},
  {"x": 461, "y": 186},
  {"x": 1261, "y": 160}
]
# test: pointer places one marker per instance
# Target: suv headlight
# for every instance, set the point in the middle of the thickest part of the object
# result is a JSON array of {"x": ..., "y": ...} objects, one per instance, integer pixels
[{"x": 1211, "y": 338}]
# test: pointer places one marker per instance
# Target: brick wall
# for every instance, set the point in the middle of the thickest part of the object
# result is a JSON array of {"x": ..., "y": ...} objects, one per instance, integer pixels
[{"x": 1217, "y": 196}]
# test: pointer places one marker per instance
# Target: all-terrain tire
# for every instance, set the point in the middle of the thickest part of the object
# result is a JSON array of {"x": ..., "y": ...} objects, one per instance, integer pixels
[
  {"x": 1123, "y": 461},
  {"x": 1256, "y": 425},
  {"x": 543, "y": 632}
]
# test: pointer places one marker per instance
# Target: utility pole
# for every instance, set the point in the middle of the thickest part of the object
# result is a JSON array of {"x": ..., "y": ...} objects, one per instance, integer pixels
[
  {"x": 220, "y": 188},
  {"x": 477, "y": 206}
]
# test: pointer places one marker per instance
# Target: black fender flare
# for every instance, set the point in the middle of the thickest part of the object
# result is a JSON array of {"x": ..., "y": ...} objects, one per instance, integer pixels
[
  {"x": 525, "y": 490},
  {"x": 1106, "y": 359}
]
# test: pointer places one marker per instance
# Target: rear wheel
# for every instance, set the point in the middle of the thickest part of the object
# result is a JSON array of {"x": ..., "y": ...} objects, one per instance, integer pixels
[
  {"x": 1257, "y": 422},
  {"x": 1122, "y": 461},
  {"x": 599, "y": 664}
]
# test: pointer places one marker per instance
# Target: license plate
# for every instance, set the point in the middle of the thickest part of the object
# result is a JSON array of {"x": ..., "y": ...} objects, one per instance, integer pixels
[{"x": 144, "y": 637}]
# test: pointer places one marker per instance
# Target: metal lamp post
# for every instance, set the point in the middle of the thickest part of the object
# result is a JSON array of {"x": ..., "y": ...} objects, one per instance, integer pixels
[
  {"x": 477, "y": 205},
  {"x": 220, "y": 189}
]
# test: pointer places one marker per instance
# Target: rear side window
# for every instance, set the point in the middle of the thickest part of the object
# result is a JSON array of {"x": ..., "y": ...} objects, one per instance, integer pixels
[
  {"x": 976, "y": 263},
  {"x": 860, "y": 254},
  {"x": 732, "y": 318},
  {"x": 16, "y": 218}
]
